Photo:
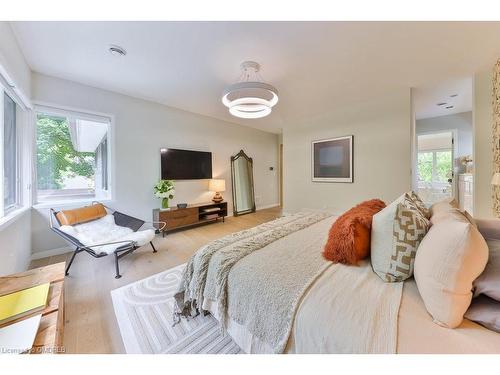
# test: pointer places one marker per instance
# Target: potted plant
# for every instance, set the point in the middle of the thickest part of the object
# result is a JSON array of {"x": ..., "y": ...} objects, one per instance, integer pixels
[{"x": 164, "y": 190}]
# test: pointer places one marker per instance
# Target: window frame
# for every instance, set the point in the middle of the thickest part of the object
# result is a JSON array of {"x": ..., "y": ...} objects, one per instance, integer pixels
[
  {"x": 17, "y": 172},
  {"x": 434, "y": 163},
  {"x": 64, "y": 111},
  {"x": 20, "y": 108}
]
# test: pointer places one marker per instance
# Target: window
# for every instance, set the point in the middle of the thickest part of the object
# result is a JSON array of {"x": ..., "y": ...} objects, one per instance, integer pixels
[
  {"x": 434, "y": 166},
  {"x": 9, "y": 154},
  {"x": 72, "y": 156}
]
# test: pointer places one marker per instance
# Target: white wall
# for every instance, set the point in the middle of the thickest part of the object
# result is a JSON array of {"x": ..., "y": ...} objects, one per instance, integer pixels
[
  {"x": 382, "y": 154},
  {"x": 12, "y": 59},
  {"x": 462, "y": 122},
  {"x": 483, "y": 154},
  {"x": 141, "y": 129},
  {"x": 15, "y": 240}
]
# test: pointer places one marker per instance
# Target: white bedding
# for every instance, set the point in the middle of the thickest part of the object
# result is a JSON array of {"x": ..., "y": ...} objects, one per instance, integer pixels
[
  {"x": 416, "y": 332},
  {"x": 370, "y": 329},
  {"x": 105, "y": 230},
  {"x": 333, "y": 328}
]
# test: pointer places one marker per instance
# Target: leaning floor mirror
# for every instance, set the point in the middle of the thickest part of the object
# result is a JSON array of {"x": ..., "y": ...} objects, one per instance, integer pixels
[{"x": 242, "y": 176}]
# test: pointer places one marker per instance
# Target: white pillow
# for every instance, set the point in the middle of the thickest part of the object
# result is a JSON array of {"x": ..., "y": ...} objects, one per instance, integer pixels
[{"x": 450, "y": 257}]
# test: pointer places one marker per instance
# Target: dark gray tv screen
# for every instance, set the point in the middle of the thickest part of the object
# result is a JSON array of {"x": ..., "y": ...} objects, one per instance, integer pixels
[{"x": 185, "y": 165}]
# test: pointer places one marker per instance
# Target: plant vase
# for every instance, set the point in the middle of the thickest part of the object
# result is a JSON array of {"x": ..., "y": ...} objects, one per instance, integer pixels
[{"x": 164, "y": 204}]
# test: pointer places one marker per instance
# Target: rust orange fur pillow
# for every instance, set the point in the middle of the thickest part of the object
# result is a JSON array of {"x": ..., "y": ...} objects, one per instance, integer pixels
[{"x": 349, "y": 237}]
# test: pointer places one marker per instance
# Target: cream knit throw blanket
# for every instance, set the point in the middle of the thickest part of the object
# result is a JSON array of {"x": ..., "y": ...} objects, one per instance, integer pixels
[{"x": 221, "y": 255}]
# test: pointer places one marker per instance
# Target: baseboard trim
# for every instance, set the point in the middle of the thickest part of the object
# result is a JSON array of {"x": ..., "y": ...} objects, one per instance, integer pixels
[
  {"x": 268, "y": 206},
  {"x": 51, "y": 252}
]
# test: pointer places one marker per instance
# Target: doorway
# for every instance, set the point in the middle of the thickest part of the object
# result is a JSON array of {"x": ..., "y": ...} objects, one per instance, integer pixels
[
  {"x": 442, "y": 146},
  {"x": 435, "y": 176}
]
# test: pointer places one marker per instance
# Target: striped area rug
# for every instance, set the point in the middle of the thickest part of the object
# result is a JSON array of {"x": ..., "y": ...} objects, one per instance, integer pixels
[{"x": 144, "y": 313}]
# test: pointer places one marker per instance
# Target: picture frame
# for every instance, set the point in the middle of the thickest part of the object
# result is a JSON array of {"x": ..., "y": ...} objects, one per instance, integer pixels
[{"x": 332, "y": 160}]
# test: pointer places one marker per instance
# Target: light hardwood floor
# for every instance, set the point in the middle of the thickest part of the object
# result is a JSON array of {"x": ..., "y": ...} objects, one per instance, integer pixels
[{"x": 90, "y": 325}]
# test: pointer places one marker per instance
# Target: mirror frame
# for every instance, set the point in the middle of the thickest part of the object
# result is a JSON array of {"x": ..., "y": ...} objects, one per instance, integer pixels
[{"x": 242, "y": 154}]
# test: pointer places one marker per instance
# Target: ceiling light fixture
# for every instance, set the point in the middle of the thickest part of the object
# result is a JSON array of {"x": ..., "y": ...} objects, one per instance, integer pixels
[
  {"x": 441, "y": 104},
  {"x": 251, "y": 97},
  {"x": 117, "y": 50}
]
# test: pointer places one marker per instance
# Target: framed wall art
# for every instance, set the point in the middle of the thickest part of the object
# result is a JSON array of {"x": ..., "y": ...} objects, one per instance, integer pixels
[{"x": 332, "y": 159}]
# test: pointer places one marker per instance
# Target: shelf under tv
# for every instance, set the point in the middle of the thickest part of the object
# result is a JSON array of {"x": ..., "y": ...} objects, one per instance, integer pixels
[{"x": 192, "y": 215}]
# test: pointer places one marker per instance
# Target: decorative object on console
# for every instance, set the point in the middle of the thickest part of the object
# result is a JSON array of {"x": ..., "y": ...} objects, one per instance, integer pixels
[
  {"x": 242, "y": 179},
  {"x": 466, "y": 161},
  {"x": 332, "y": 159},
  {"x": 349, "y": 237},
  {"x": 182, "y": 205},
  {"x": 250, "y": 97},
  {"x": 217, "y": 185},
  {"x": 164, "y": 190}
]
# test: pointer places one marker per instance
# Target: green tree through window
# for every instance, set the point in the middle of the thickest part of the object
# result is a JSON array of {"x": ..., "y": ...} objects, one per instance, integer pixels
[
  {"x": 443, "y": 166},
  {"x": 434, "y": 166},
  {"x": 425, "y": 163},
  {"x": 56, "y": 157}
]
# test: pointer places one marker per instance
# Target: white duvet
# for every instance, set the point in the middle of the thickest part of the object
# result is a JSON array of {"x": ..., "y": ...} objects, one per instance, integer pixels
[
  {"x": 339, "y": 314},
  {"x": 105, "y": 230}
]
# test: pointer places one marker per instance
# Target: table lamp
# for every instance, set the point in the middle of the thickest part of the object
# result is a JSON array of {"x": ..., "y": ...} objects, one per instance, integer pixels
[{"x": 218, "y": 185}]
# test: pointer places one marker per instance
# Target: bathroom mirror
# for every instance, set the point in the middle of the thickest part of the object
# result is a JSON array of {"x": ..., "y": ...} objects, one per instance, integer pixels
[{"x": 242, "y": 178}]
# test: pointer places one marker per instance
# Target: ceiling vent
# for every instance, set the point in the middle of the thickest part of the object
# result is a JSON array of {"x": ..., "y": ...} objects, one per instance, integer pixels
[{"x": 117, "y": 51}]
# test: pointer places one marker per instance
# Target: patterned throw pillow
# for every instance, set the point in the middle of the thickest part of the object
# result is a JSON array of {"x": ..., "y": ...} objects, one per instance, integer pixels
[
  {"x": 420, "y": 204},
  {"x": 410, "y": 227},
  {"x": 396, "y": 234}
]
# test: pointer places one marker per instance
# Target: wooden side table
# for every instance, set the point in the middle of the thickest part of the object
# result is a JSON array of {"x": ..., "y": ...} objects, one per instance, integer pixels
[{"x": 49, "y": 338}]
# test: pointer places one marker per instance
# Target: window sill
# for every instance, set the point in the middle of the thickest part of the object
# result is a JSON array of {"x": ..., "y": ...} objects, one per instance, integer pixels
[
  {"x": 64, "y": 203},
  {"x": 12, "y": 217}
]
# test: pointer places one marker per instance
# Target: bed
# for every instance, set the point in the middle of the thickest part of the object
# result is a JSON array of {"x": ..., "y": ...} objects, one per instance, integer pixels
[{"x": 335, "y": 309}]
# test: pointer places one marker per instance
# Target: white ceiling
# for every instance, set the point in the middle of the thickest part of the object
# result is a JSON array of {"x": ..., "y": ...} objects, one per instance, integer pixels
[
  {"x": 457, "y": 94},
  {"x": 316, "y": 66}
]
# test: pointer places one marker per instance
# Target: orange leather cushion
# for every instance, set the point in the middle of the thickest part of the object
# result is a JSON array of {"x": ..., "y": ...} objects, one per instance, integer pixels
[
  {"x": 349, "y": 237},
  {"x": 81, "y": 215}
]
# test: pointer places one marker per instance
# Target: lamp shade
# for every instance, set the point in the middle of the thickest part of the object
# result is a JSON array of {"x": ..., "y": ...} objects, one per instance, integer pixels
[
  {"x": 217, "y": 185},
  {"x": 495, "y": 180}
]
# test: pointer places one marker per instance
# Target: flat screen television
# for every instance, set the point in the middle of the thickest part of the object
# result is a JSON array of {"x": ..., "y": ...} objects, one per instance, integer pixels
[{"x": 185, "y": 165}]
